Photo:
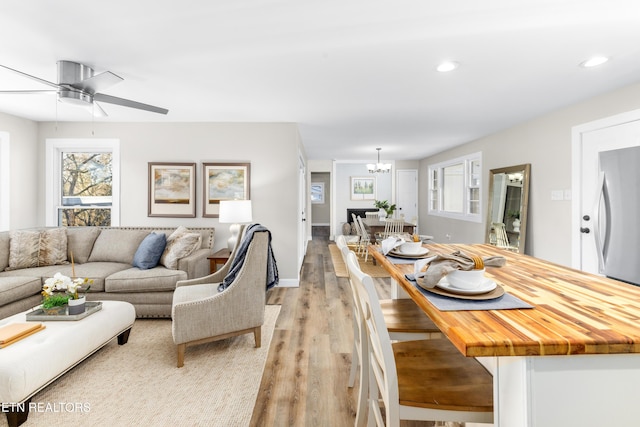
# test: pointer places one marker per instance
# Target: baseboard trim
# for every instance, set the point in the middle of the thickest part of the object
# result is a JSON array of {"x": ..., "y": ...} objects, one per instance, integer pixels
[{"x": 289, "y": 283}]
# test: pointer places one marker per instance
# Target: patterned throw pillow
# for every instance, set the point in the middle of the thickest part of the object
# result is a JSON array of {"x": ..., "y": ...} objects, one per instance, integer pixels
[
  {"x": 181, "y": 243},
  {"x": 34, "y": 248}
]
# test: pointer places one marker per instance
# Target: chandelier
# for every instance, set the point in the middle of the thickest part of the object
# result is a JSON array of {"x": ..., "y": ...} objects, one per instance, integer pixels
[{"x": 379, "y": 167}]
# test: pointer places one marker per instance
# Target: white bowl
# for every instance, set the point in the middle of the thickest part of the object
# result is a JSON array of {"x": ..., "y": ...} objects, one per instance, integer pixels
[
  {"x": 466, "y": 279},
  {"x": 411, "y": 248}
]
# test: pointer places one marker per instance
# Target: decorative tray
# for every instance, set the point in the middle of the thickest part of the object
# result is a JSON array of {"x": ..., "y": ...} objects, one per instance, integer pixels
[{"x": 40, "y": 315}]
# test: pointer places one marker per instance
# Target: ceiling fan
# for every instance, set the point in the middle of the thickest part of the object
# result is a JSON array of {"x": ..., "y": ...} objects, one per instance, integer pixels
[{"x": 79, "y": 85}]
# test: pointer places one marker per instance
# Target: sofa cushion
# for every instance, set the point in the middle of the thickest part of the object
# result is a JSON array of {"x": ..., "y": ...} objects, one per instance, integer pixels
[
  {"x": 15, "y": 288},
  {"x": 95, "y": 271},
  {"x": 151, "y": 280},
  {"x": 113, "y": 245},
  {"x": 150, "y": 250},
  {"x": 80, "y": 242},
  {"x": 180, "y": 243},
  {"x": 37, "y": 248}
]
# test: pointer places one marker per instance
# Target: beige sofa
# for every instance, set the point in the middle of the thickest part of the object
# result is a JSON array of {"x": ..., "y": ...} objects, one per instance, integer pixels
[{"x": 102, "y": 254}]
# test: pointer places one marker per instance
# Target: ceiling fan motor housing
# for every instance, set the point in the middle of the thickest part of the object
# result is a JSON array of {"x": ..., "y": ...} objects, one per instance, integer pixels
[{"x": 71, "y": 72}]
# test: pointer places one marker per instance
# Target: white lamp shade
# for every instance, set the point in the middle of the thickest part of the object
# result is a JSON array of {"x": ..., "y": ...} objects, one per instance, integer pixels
[{"x": 235, "y": 211}]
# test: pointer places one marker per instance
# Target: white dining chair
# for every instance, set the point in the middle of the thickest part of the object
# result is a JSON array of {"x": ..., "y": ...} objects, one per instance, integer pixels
[
  {"x": 502, "y": 241},
  {"x": 392, "y": 227},
  {"x": 364, "y": 239},
  {"x": 372, "y": 215},
  {"x": 426, "y": 380},
  {"x": 404, "y": 320}
]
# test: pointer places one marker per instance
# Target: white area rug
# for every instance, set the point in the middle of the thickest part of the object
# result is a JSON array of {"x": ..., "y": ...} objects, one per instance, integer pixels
[{"x": 139, "y": 384}]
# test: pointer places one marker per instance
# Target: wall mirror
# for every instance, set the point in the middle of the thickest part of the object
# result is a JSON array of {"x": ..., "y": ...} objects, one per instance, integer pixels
[{"x": 508, "y": 201}]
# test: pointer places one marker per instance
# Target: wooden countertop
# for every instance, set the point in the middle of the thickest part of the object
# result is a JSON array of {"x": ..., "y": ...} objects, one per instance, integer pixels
[{"x": 574, "y": 312}]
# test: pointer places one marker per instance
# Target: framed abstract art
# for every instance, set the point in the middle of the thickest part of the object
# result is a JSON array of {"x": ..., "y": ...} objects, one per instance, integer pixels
[
  {"x": 172, "y": 189},
  {"x": 224, "y": 181}
]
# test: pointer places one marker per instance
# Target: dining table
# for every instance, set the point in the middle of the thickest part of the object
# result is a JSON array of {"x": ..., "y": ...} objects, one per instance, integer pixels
[
  {"x": 375, "y": 226},
  {"x": 563, "y": 345}
]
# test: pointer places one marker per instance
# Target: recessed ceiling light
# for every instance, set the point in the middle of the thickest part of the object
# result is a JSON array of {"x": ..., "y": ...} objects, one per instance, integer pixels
[
  {"x": 594, "y": 62},
  {"x": 447, "y": 66}
]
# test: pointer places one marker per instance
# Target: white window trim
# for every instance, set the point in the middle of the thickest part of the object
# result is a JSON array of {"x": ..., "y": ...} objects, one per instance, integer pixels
[
  {"x": 54, "y": 148},
  {"x": 5, "y": 181},
  {"x": 439, "y": 167}
]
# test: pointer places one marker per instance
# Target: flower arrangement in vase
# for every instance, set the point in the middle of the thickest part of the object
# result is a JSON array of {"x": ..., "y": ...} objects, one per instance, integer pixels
[{"x": 54, "y": 302}]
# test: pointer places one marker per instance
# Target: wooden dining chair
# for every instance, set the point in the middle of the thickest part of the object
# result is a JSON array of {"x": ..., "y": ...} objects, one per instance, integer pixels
[
  {"x": 356, "y": 226},
  {"x": 426, "y": 380},
  {"x": 404, "y": 320},
  {"x": 372, "y": 215},
  {"x": 502, "y": 241},
  {"x": 364, "y": 239},
  {"x": 392, "y": 227}
]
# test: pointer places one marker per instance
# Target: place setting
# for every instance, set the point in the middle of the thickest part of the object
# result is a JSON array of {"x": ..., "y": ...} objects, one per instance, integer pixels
[
  {"x": 458, "y": 281},
  {"x": 404, "y": 247}
]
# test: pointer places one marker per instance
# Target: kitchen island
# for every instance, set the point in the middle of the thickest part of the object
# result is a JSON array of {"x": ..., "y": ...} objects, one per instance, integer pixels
[{"x": 573, "y": 359}]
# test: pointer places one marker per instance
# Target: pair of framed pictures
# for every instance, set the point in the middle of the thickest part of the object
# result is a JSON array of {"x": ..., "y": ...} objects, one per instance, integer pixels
[{"x": 172, "y": 187}]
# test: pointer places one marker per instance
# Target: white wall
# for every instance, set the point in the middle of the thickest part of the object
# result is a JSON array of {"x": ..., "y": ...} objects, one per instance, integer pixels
[
  {"x": 25, "y": 172},
  {"x": 545, "y": 142},
  {"x": 272, "y": 149}
]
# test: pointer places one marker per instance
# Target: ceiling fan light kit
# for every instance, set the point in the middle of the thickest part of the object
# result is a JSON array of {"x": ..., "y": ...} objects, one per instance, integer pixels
[{"x": 79, "y": 85}]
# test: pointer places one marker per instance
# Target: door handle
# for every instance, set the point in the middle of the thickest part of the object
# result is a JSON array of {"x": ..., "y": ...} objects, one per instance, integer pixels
[{"x": 585, "y": 230}]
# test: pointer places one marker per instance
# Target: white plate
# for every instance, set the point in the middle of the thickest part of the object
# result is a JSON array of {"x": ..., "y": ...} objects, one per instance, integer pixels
[
  {"x": 422, "y": 251},
  {"x": 486, "y": 286}
]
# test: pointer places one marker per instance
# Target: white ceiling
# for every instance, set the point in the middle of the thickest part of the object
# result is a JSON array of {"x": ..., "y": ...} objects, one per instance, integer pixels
[{"x": 354, "y": 74}]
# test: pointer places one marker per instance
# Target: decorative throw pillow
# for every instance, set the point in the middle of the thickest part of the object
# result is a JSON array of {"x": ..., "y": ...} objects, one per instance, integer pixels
[
  {"x": 53, "y": 247},
  {"x": 180, "y": 243},
  {"x": 4, "y": 250},
  {"x": 24, "y": 247},
  {"x": 37, "y": 248},
  {"x": 150, "y": 250}
]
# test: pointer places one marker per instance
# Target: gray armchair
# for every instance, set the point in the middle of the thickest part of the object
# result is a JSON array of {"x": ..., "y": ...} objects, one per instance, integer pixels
[{"x": 202, "y": 314}]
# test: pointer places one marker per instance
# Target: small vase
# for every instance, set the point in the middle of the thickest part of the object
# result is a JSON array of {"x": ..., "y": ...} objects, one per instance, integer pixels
[
  {"x": 382, "y": 214},
  {"x": 77, "y": 306}
]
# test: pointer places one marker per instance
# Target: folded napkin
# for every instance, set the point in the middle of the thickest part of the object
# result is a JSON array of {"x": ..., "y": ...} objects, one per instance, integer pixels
[
  {"x": 441, "y": 265},
  {"x": 390, "y": 243}
]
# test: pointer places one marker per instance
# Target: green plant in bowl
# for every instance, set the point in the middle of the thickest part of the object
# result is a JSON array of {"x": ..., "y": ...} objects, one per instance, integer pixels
[{"x": 56, "y": 300}]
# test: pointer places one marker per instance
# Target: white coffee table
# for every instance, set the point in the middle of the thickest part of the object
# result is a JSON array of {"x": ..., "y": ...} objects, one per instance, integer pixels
[{"x": 29, "y": 365}]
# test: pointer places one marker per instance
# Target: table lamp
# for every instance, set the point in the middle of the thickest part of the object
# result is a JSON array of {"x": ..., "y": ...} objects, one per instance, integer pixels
[{"x": 234, "y": 212}]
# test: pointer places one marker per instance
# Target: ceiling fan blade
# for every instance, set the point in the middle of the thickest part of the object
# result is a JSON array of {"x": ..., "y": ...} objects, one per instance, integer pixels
[
  {"x": 128, "y": 103},
  {"x": 38, "y": 79},
  {"x": 28, "y": 91},
  {"x": 98, "y": 82}
]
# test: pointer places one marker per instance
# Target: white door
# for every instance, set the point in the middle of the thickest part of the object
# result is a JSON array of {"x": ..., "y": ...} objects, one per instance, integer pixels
[
  {"x": 302, "y": 211},
  {"x": 407, "y": 193},
  {"x": 589, "y": 140}
]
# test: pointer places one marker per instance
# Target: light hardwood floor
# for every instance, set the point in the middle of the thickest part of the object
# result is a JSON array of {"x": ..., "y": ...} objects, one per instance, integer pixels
[{"x": 306, "y": 373}]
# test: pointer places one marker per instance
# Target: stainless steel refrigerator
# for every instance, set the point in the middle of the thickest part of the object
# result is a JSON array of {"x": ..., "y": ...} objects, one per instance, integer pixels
[{"x": 617, "y": 230}]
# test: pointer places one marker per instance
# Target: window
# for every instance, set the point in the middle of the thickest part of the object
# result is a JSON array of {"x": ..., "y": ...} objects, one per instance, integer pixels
[
  {"x": 455, "y": 188},
  {"x": 84, "y": 188}
]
